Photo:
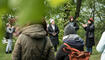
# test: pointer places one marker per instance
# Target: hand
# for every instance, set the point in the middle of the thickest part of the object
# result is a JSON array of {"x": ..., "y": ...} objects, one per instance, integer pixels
[
  {"x": 54, "y": 34},
  {"x": 13, "y": 26},
  {"x": 84, "y": 25}
]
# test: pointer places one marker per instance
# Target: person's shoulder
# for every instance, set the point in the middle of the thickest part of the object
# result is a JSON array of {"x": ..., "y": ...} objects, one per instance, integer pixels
[
  {"x": 103, "y": 33},
  {"x": 49, "y": 25}
]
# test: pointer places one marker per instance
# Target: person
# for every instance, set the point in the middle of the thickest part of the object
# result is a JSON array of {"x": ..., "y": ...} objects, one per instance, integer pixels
[
  {"x": 101, "y": 46},
  {"x": 73, "y": 40},
  {"x": 9, "y": 36},
  {"x": 33, "y": 44},
  {"x": 89, "y": 28},
  {"x": 73, "y": 23},
  {"x": 53, "y": 32}
]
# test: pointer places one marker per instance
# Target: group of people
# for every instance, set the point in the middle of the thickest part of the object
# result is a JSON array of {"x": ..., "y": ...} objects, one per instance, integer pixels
[
  {"x": 89, "y": 28},
  {"x": 39, "y": 41}
]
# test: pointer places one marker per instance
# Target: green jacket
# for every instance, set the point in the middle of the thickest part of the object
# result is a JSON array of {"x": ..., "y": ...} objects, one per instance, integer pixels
[{"x": 30, "y": 43}]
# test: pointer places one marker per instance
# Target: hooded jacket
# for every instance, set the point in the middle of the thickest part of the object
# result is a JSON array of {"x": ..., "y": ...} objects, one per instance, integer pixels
[
  {"x": 29, "y": 44},
  {"x": 72, "y": 39},
  {"x": 101, "y": 46}
]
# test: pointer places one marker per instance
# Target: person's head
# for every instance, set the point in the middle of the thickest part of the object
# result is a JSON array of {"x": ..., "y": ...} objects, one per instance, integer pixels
[
  {"x": 44, "y": 23},
  {"x": 90, "y": 21},
  {"x": 71, "y": 19},
  {"x": 69, "y": 30},
  {"x": 52, "y": 21}
]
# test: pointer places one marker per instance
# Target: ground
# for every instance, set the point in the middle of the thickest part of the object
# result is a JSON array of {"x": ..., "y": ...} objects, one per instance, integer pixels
[{"x": 3, "y": 56}]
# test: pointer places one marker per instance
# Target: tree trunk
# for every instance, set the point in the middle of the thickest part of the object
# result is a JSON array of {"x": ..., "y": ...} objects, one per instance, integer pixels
[
  {"x": 78, "y": 7},
  {"x": 94, "y": 9}
]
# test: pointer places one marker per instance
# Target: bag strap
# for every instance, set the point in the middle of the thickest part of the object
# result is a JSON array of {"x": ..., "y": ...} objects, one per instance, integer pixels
[{"x": 72, "y": 49}]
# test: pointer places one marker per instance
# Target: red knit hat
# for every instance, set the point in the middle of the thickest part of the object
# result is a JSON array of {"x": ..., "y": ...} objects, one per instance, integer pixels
[{"x": 91, "y": 19}]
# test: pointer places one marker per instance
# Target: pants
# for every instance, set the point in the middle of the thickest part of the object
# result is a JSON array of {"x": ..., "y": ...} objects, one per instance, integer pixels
[
  {"x": 89, "y": 49},
  {"x": 55, "y": 47},
  {"x": 9, "y": 45}
]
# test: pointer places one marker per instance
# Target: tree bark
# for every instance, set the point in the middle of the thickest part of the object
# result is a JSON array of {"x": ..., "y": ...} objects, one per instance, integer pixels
[
  {"x": 78, "y": 7},
  {"x": 94, "y": 10}
]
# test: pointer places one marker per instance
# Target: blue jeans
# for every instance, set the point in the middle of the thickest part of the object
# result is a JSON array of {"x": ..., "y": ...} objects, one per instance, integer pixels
[{"x": 89, "y": 49}]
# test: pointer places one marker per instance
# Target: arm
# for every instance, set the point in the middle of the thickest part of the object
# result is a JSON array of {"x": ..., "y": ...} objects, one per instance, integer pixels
[
  {"x": 85, "y": 28},
  {"x": 92, "y": 28},
  {"x": 49, "y": 31},
  {"x": 16, "y": 55},
  {"x": 57, "y": 30},
  {"x": 101, "y": 45},
  {"x": 76, "y": 26}
]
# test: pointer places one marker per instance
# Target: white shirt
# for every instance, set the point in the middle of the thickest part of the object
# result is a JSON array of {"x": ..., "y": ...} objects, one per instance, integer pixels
[{"x": 53, "y": 26}]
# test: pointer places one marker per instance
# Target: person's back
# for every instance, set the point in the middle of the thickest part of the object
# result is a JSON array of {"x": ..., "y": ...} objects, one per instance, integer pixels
[
  {"x": 30, "y": 43},
  {"x": 72, "y": 39},
  {"x": 101, "y": 46}
]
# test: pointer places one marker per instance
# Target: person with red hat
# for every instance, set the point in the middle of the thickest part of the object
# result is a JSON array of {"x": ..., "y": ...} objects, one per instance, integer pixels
[{"x": 89, "y": 28}]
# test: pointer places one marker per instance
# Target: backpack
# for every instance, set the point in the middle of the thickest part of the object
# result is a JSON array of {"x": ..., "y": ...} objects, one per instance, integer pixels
[
  {"x": 74, "y": 41},
  {"x": 75, "y": 54}
]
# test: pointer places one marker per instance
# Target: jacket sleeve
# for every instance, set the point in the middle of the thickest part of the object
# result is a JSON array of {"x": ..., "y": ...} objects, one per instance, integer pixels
[
  {"x": 89, "y": 28},
  {"x": 76, "y": 26},
  {"x": 16, "y": 55},
  {"x": 101, "y": 45},
  {"x": 57, "y": 30},
  {"x": 51, "y": 55},
  {"x": 49, "y": 31},
  {"x": 92, "y": 28}
]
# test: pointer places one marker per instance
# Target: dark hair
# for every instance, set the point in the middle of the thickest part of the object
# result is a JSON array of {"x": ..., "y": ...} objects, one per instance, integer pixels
[
  {"x": 70, "y": 18},
  {"x": 44, "y": 23}
]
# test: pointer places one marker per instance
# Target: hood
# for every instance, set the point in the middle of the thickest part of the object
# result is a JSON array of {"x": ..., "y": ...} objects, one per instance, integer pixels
[
  {"x": 72, "y": 37},
  {"x": 69, "y": 30},
  {"x": 34, "y": 31}
]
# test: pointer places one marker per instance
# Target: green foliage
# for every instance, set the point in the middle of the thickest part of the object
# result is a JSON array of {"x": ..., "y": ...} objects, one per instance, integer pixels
[
  {"x": 3, "y": 4},
  {"x": 30, "y": 11},
  {"x": 87, "y": 12},
  {"x": 56, "y": 3},
  {"x": 2, "y": 26}
]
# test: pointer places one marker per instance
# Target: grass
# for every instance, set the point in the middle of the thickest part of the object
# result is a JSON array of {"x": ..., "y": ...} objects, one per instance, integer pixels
[
  {"x": 95, "y": 55},
  {"x": 3, "y": 56}
]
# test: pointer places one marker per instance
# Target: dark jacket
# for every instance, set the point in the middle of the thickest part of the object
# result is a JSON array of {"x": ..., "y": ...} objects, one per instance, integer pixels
[
  {"x": 9, "y": 32},
  {"x": 54, "y": 39},
  {"x": 90, "y": 35},
  {"x": 74, "y": 41},
  {"x": 75, "y": 25},
  {"x": 69, "y": 30},
  {"x": 29, "y": 45}
]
